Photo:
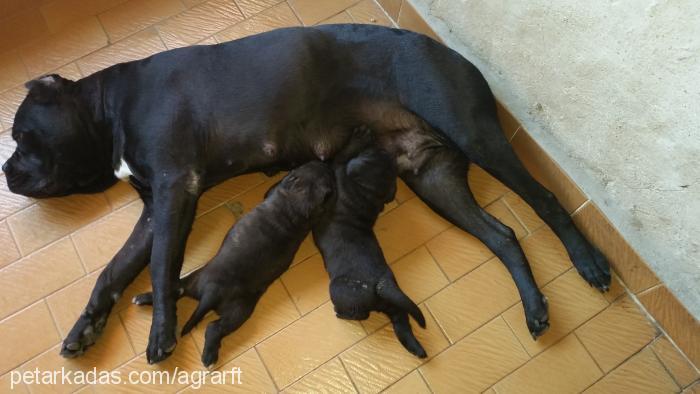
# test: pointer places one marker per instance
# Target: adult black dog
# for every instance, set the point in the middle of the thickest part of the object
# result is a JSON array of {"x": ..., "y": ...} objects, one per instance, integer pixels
[
  {"x": 361, "y": 280},
  {"x": 256, "y": 251},
  {"x": 183, "y": 120}
]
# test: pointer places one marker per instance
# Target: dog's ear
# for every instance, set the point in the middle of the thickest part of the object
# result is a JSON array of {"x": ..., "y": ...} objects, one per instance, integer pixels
[
  {"x": 47, "y": 88},
  {"x": 389, "y": 290}
]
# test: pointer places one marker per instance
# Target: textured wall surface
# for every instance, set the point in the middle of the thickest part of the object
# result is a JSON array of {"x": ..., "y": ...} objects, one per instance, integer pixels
[{"x": 611, "y": 90}]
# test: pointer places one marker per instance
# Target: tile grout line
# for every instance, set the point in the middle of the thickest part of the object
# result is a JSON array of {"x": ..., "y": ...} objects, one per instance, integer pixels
[
  {"x": 663, "y": 364},
  {"x": 347, "y": 373},
  {"x": 394, "y": 24},
  {"x": 580, "y": 208},
  {"x": 422, "y": 377},
  {"x": 53, "y": 320},
  {"x": 597, "y": 364},
  {"x": 286, "y": 290},
  {"x": 515, "y": 215},
  {"x": 294, "y": 11},
  {"x": 126, "y": 331},
  {"x": 267, "y": 370},
  {"x": 512, "y": 137},
  {"x": 515, "y": 335}
]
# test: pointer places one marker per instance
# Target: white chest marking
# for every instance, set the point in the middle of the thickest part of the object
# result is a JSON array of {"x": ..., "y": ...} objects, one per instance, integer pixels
[{"x": 123, "y": 172}]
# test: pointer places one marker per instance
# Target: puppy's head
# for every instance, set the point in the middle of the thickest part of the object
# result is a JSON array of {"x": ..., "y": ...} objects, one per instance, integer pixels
[
  {"x": 58, "y": 152},
  {"x": 307, "y": 188}
]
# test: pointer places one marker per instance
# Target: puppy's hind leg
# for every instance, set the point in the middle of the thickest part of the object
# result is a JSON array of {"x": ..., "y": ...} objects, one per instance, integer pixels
[
  {"x": 442, "y": 184},
  {"x": 232, "y": 317}
]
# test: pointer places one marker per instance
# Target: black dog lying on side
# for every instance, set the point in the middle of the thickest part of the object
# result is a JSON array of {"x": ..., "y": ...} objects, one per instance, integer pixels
[
  {"x": 361, "y": 280},
  {"x": 256, "y": 251}
]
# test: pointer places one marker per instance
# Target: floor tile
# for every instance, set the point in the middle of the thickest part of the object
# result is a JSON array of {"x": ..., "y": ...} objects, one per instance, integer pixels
[
  {"x": 509, "y": 124},
  {"x": 368, "y": 12},
  {"x": 328, "y": 378},
  {"x": 98, "y": 242},
  {"x": 252, "y": 7},
  {"x": 51, "y": 219},
  {"x": 379, "y": 360},
  {"x": 486, "y": 189},
  {"x": 616, "y": 333},
  {"x": 28, "y": 280},
  {"x": 403, "y": 192},
  {"x": 342, "y": 17},
  {"x": 476, "y": 362},
  {"x": 675, "y": 319},
  {"x": 474, "y": 299},
  {"x": 62, "y": 13},
  {"x": 186, "y": 357},
  {"x": 138, "y": 46},
  {"x": 12, "y": 71},
  {"x": 409, "y": 19},
  {"x": 274, "y": 311},
  {"x": 407, "y": 227},
  {"x": 199, "y": 22},
  {"x": 33, "y": 328},
  {"x": 23, "y": 28},
  {"x": 547, "y": 172},
  {"x": 501, "y": 212},
  {"x": 67, "y": 304},
  {"x": 307, "y": 283},
  {"x": 253, "y": 377},
  {"x": 458, "y": 252},
  {"x": 7, "y": 146},
  {"x": 312, "y": 11},
  {"x": 273, "y": 18},
  {"x": 70, "y": 44},
  {"x": 8, "y": 251},
  {"x": 109, "y": 352},
  {"x": 571, "y": 302},
  {"x": 564, "y": 368},
  {"x": 546, "y": 255},
  {"x": 412, "y": 383},
  {"x": 120, "y": 194},
  {"x": 626, "y": 262},
  {"x": 679, "y": 367},
  {"x": 208, "y": 233},
  {"x": 391, "y": 7},
  {"x": 307, "y": 343},
  {"x": 134, "y": 15},
  {"x": 524, "y": 212},
  {"x": 643, "y": 373},
  {"x": 306, "y": 250},
  {"x": 616, "y": 289},
  {"x": 9, "y": 103},
  {"x": 8, "y": 385},
  {"x": 227, "y": 190}
]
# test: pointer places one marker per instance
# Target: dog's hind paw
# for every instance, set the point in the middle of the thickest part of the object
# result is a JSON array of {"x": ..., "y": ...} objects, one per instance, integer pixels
[
  {"x": 143, "y": 299},
  {"x": 83, "y": 334},
  {"x": 537, "y": 319},
  {"x": 594, "y": 269}
]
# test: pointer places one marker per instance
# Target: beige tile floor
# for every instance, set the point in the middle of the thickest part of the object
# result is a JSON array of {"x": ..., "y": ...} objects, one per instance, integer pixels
[{"x": 476, "y": 336}]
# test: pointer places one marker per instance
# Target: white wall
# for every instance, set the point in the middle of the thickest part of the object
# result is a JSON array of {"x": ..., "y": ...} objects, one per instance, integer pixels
[{"x": 611, "y": 89}]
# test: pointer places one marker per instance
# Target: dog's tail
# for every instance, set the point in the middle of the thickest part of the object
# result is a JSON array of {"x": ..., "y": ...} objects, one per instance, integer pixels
[
  {"x": 389, "y": 290},
  {"x": 207, "y": 302}
]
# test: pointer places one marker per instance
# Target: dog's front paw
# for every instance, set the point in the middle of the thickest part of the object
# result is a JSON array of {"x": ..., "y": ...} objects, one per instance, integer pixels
[
  {"x": 537, "y": 318},
  {"x": 594, "y": 269},
  {"x": 210, "y": 356},
  {"x": 83, "y": 334},
  {"x": 161, "y": 342},
  {"x": 143, "y": 299}
]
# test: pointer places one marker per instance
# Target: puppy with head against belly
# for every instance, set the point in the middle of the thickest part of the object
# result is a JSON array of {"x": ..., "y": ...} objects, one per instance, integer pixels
[
  {"x": 255, "y": 252},
  {"x": 361, "y": 280}
]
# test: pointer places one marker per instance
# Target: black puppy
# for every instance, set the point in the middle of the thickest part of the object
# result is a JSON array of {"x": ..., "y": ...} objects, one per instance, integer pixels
[
  {"x": 184, "y": 120},
  {"x": 256, "y": 251},
  {"x": 361, "y": 280}
]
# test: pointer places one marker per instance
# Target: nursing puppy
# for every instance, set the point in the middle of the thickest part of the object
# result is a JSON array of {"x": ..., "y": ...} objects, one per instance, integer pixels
[
  {"x": 256, "y": 251},
  {"x": 361, "y": 280}
]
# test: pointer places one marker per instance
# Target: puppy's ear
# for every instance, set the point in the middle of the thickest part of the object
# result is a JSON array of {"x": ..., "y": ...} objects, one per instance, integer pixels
[
  {"x": 389, "y": 290},
  {"x": 47, "y": 88}
]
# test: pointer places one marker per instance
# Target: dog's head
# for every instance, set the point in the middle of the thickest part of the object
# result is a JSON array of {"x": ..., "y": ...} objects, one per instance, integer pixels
[
  {"x": 307, "y": 188},
  {"x": 59, "y": 150}
]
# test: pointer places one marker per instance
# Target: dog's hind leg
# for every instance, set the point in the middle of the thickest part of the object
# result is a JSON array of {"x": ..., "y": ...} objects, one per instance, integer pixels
[
  {"x": 232, "y": 317},
  {"x": 496, "y": 156},
  {"x": 442, "y": 184},
  {"x": 403, "y": 331},
  {"x": 131, "y": 259}
]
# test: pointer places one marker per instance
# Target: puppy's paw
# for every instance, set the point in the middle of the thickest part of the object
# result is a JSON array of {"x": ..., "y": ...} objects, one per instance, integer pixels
[
  {"x": 84, "y": 333},
  {"x": 210, "y": 357},
  {"x": 594, "y": 268},
  {"x": 537, "y": 318},
  {"x": 143, "y": 299},
  {"x": 161, "y": 343}
]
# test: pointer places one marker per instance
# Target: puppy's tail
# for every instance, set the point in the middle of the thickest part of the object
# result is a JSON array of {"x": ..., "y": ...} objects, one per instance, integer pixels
[
  {"x": 389, "y": 290},
  {"x": 206, "y": 303}
]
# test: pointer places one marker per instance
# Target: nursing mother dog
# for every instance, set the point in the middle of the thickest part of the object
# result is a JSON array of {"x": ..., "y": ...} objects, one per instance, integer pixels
[{"x": 181, "y": 121}]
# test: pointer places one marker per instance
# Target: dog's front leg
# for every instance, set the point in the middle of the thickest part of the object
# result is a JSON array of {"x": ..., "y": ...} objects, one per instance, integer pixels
[
  {"x": 173, "y": 214},
  {"x": 131, "y": 259}
]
